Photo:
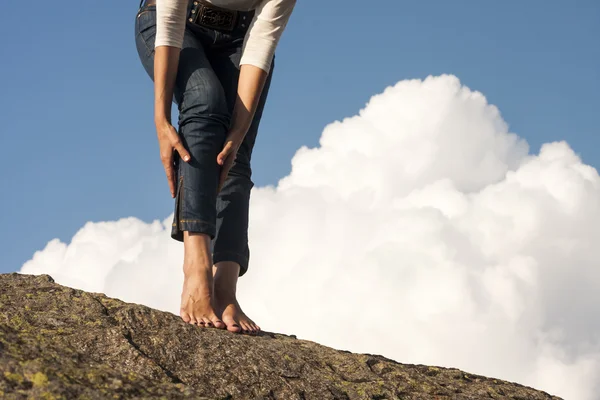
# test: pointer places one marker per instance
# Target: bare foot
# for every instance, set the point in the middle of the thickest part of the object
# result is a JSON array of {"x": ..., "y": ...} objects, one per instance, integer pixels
[
  {"x": 234, "y": 317},
  {"x": 197, "y": 300},
  {"x": 225, "y": 278}
]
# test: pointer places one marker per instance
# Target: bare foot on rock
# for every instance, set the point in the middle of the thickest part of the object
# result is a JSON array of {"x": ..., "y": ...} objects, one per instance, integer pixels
[
  {"x": 197, "y": 298},
  {"x": 225, "y": 278},
  {"x": 234, "y": 317}
]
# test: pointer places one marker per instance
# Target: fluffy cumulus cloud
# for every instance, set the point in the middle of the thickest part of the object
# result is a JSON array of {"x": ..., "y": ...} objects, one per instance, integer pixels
[{"x": 420, "y": 229}]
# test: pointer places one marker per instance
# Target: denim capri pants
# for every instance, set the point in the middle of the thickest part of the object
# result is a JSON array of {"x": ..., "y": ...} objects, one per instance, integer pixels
[{"x": 205, "y": 92}]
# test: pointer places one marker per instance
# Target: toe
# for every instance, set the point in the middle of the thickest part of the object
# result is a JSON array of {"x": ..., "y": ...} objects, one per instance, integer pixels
[
  {"x": 245, "y": 327},
  {"x": 207, "y": 322},
  {"x": 233, "y": 326},
  {"x": 184, "y": 316},
  {"x": 252, "y": 327},
  {"x": 218, "y": 323}
]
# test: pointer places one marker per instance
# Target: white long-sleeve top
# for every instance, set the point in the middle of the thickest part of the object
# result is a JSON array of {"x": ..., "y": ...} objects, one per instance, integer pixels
[{"x": 263, "y": 34}]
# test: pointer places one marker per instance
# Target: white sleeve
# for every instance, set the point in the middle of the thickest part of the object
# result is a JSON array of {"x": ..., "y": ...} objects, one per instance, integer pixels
[
  {"x": 170, "y": 22},
  {"x": 269, "y": 21}
]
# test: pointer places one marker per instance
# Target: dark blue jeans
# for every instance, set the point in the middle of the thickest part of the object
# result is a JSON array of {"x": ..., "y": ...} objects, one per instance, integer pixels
[{"x": 205, "y": 92}]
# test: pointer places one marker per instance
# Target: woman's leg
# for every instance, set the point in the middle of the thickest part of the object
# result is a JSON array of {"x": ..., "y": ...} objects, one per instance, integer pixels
[
  {"x": 231, "y": 251},
  {"x": 203, "y": 123}
]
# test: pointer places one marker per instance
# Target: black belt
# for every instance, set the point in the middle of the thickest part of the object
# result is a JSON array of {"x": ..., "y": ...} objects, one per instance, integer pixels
[{"x": 210, "y": 16}]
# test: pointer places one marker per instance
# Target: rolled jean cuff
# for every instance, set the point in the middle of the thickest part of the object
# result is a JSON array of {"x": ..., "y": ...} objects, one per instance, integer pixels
[
  {"x": 232, "y": 256},
  {"x": 192, "y": 225}
]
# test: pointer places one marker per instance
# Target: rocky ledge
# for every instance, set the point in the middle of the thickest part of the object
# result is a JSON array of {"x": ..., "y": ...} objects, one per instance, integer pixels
[{"x": 57, "y": 342}]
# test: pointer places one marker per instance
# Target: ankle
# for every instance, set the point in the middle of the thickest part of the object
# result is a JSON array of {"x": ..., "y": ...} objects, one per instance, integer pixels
[
  {"x": 194, "y": 267},
  {"x": 225, "y": 292}
]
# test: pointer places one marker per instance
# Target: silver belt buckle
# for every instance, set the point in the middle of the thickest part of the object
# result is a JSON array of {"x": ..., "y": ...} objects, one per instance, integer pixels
[{"x": 213, "y": 17}]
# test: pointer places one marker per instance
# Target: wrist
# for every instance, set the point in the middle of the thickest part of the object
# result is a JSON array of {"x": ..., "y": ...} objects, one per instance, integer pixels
[
  {"x": 237, "y": 134},
  {"x": 162, "y": 112},
  {"x": 161, "y": 120}
]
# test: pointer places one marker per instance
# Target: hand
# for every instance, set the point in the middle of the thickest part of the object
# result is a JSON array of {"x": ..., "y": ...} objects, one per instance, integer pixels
[
  {"x": 227, "y": 156},
  {"x": 168, "y": 140}
]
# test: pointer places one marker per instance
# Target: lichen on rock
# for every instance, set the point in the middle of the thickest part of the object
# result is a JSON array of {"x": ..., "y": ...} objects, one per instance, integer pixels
[{"x": 57, "y": 342}]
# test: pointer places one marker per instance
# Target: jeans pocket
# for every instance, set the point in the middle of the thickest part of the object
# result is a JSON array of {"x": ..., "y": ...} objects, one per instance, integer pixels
[
  {"x": 145, "y": 9},
  {"x": 145, "y": 28}
]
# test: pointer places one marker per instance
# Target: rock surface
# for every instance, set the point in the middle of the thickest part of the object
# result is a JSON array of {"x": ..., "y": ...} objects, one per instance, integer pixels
[{"x": 57, "y": 342}]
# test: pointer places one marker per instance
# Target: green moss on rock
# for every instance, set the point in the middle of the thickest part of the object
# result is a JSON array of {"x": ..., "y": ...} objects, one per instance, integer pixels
[{"x": 63, "y": 343}]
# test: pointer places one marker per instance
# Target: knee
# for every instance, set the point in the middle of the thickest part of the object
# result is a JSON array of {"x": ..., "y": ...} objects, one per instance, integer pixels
[
  {"x": 202, "y": 98},
  {"x": 241, "y": 170},
  {"x": 204, "y": 101},
  {"x": 237, "y": 185}
]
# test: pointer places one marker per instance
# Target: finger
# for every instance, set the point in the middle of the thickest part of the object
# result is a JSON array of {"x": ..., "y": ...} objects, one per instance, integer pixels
[
  {"x": 224, "y": 153},
  {"x": 170, "y": 177},
  {"x": 175, "y": 140},
  {"x": 171, "y": 180},
  {"x": 183, "y": 153},
  {"x": 223, "y": 176}
]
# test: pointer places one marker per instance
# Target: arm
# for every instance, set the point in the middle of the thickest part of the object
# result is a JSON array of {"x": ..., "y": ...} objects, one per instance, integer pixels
[
  {"x": 260, "y": 42},
  {"x": 263, "y": 35},
  {"x": 170, "y": 27},
  {"x": 250, "y": 85},
  {"x": 166, "y": 60}
]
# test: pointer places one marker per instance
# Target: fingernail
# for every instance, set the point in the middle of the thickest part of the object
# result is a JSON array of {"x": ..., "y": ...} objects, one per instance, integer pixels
[{"x": 186, "y": 158}]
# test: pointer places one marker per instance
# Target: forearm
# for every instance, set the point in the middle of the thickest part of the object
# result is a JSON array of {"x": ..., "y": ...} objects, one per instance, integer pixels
[
  {"x": 250, "y": 85},
  {"x": 166, "y": 60}
]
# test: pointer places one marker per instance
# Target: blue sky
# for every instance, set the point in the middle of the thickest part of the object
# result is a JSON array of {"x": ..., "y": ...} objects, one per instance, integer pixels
[{"x": 77, "y": 135}]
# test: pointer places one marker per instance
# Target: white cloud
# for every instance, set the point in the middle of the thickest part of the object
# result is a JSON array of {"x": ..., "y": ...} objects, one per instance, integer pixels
[{"x": 420, "y": 229}]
